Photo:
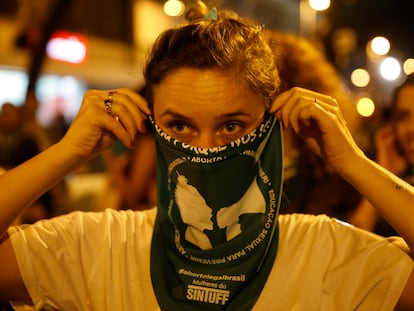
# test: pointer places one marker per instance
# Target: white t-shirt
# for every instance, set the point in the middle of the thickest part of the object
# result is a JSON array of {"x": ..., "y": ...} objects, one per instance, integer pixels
[{"x": 101, "y": 261}]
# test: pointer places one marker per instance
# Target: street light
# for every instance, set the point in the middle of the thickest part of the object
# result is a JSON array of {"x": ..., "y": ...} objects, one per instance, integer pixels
[
  {"x": 174, "y": 8},
  {"x": 380, "y": 45},
  {"x": 360, "y": 77},
  {"x": 319, "y": 5},
  {"x": 390, "y": 68}
]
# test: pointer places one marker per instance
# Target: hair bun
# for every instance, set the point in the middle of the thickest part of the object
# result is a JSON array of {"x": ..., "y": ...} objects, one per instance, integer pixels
[{"x": 197, "y": 12}]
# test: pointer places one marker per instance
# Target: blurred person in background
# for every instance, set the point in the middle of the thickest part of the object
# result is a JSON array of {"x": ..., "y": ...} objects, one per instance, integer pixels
[
  {"x": 17, "y": 147},
  {"x": 10, "y": 126},
  {"x": 132, "y": 173},
  {"x": 308, "y": 178},
  {"x": 30, "y": 123},
  {"x": 18, "y": 144},
  {"x": 394, "y": 148},
  {"x": 43, "y": 207},
  {"x": 132, "y": 176}
]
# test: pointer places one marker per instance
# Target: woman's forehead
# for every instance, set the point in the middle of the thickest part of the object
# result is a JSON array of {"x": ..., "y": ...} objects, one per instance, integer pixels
[{"x": 202, "y": 85}]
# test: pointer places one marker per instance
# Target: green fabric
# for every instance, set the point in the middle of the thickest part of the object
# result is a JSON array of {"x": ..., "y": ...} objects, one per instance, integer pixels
[{"x": 216, "y": 235}]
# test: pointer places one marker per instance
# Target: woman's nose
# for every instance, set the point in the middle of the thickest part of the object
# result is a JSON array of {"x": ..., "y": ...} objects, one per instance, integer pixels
[{"x": 206, "y": 140}]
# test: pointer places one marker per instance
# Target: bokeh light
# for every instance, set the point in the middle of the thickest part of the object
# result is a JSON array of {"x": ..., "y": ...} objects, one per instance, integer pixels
[
  {"x": 380, "y": 45},
  {"x": 319, "y": 5},
  {"x": 365, "y": 106},
  {"x": 360, "y": 77},
  {"x": 390, "y": 68},
  {"x": 408, "y": 66},
  {"x": 174, "y": 8}
]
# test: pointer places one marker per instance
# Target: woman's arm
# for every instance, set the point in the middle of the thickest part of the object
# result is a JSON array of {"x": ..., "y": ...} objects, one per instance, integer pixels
[
  {"x": 365, "y": 215},
  {"x": 24, "y": 184},
  {"x": 391, "y": 196},
  {"x": 93, "y": 130},
  {"x": 318, "y": 120}
]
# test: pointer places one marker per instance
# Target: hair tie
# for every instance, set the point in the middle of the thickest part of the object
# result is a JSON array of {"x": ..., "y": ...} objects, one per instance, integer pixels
[{"x": 211, "y": 15}]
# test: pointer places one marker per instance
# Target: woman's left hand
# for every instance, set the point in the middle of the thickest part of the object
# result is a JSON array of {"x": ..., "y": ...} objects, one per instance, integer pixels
[{"x": 318, "y": 120}]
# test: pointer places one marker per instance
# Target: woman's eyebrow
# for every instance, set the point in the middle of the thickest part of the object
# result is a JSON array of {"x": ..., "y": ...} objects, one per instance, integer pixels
[
  {"x": 222, "y": 116},
  {"x": 233, "y": 114},
  {"x": 174, "y": 114}
]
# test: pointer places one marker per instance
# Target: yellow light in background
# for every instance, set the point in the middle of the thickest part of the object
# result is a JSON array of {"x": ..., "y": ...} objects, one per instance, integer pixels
[
  {"x": 390, "y": 68},
  {"x": 408, "y": 66},
  {"x": 319, "y": 5},
  {"x": 380, "y": 45},
  {"x": 360, "y": 77},
  {"x": 174, "y": 8},
  {"x": 365, "y": 106}
]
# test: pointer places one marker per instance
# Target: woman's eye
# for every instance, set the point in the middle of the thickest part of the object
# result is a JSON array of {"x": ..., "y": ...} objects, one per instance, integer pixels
[
  {"x": 177, "y": 126},
  {"x": 232, "y": 127},
  {"x": 179, "y": 130}
]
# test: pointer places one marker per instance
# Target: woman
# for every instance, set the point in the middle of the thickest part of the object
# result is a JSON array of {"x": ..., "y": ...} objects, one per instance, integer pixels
[{"x": 213, "y": 98}]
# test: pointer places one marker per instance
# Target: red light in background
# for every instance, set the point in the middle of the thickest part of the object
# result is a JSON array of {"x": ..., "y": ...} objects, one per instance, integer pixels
[{"x": 67, "y": 47}]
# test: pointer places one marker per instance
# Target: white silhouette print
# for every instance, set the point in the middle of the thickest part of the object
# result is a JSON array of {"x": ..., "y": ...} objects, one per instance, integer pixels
[
  {"x": 194, "y": 212},
  {"x": 251, "y": 202},
  {"x": 197, "y": 214}
]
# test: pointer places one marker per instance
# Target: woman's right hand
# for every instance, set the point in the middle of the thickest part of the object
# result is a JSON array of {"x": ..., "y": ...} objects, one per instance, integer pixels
[
  {"x": 318, "y": 120},
  {"x": 97, "y": 126}
]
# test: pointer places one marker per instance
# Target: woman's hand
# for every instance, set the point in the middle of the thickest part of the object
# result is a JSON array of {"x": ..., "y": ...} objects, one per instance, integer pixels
[
  {"x": 104, "y": 117},
  {"x": 318, "y": 120}
]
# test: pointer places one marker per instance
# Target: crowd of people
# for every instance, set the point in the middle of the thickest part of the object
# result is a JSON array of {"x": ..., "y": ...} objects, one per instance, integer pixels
[{"x": 231, "y": 170}]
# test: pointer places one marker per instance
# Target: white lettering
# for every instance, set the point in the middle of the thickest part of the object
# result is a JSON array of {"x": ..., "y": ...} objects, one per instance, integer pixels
[{"x": 205, "y": 294}]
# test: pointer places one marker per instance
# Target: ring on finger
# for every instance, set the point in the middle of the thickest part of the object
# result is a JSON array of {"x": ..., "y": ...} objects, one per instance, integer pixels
[
  {"x": 108, "y": 105},
  {"x": 108, "y": 102}
]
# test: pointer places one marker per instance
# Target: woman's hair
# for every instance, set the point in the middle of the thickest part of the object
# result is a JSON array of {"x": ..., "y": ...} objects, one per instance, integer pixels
[{"x": 215, "y": 40}]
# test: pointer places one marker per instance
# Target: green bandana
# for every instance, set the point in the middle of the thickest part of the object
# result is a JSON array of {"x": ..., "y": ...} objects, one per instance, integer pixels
[{"x": 216, "y": 235}]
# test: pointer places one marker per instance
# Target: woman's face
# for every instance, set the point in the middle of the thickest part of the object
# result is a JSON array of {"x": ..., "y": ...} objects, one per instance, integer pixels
[
  {"x": 404, "y": 122},
  {"x": 206, "y": 108}
]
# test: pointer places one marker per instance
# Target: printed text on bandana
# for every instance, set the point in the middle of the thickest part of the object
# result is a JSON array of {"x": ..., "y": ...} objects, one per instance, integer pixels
[{"x": 209, "y": 288}]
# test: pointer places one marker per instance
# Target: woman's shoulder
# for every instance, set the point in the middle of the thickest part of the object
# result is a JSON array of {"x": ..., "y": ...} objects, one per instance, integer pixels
[
  {"x": 325, "y": 230},
  {"x": 320, "y": 228},
  {"x": 81, "y": 224},
  {"x": 308, "y": 220}
]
